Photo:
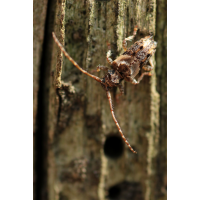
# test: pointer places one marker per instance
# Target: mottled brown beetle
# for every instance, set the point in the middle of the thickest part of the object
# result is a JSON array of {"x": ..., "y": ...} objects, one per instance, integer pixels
[{"x": 125, "y": 67}]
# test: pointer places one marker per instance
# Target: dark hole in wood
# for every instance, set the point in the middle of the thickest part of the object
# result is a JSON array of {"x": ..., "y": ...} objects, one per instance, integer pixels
[
  {"x": 114, "y": 192},
  {"x": 126, "y": 190},
  {"x": 113, "y": 147}
]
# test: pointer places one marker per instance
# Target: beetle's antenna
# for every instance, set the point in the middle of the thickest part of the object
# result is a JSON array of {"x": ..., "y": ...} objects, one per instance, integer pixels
[
  {"x": 72, "y": 61},
  {"x": 116, "y": 122}
]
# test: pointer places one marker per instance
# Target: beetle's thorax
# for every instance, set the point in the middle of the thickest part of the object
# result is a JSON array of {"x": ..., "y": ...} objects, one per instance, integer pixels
[
  {"x": 126, "y": 65},
  {"x": 112, "y": 79}
]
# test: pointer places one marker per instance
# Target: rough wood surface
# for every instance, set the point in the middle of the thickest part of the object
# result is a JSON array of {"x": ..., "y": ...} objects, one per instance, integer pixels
[{"x": 79, "y": 164}]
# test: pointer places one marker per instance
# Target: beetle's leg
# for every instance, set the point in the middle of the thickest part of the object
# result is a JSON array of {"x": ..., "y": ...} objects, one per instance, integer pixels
[
  {"x": 131, "y": 80},
  {"x": 101, "y": 67},
  {"x": 148, "y": 67},
  {"x": 142, "y": 75},
  {"x": 108, "y": 55},
  {"x": 121, "y": 88},
  {"x": 130, "y": 38},
  {"x": 134, "y": 81}
]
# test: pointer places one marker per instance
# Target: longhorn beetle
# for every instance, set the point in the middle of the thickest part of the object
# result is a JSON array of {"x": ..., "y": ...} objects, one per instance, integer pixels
[{"x": 125, "y": 67}]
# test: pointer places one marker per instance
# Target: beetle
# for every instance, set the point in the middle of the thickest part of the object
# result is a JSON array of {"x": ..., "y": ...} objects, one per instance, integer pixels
[{"x": 125, "y": 67}]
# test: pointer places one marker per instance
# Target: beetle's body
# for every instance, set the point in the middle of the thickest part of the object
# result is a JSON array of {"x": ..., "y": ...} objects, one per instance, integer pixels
[{"x": 128, "y": 65}]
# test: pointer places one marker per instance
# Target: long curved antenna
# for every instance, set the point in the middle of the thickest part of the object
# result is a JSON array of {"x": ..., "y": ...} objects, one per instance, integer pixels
[
  {"x": 116, "y": 122},
  {"x": 72, "y": 61}
]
